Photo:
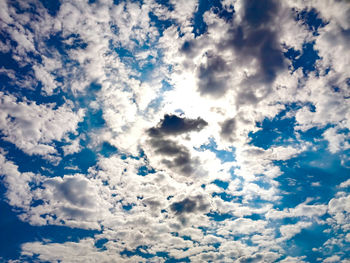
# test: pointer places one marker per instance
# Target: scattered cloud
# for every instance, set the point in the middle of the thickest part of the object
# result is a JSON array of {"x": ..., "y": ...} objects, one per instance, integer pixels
[{"x": 192, "y": 131}]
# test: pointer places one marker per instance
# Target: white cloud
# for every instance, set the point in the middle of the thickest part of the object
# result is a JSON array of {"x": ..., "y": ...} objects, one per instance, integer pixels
[
  {"x": 339, "y": 208},
  {"x": 337, "y": 141},
  {"x": 301, "y": 210},
  {"x": 345, "y": 184},
  {"x": 73, "y": 147},
  {"x": 333, "y": 258},
  {"x": 82, "y": 251},
  {"x": 18, "y": 190},
  {"x": 293, "y": 260},
  {"x": 32, "y": 127},
  {"x": 289, "y": 231}
]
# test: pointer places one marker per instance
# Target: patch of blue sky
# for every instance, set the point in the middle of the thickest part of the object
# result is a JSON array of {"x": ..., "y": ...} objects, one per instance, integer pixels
[
  {"x": 312, "y": 174},
  {"x": 305, "y": 58},
  {"x": 345, "y": 158},
  {"x": 145, "y": 170},
  {"x": 52, "y": 6},
  {"x": 65, "y": 43},
  {"x": 128, "y": 207},
  {"x": 26, "y": 72},
  {"x": 311, "y": 19},
  {"x": 117, "y": 2},
  {"x": 257, "y": 201},
  {"x": 100, "y": 244},
  {"x": 156, "y": 103},
  {"x": 8, "y": 62},
  {"x": 223, "y": 155},
  {"x": 275, "y": 132},
  {"x": 262, "y": 183},
  {"x": 175, "y": 260},
  {"x": 302, "y": 244},
  {"x": 15, "y": 232},
  {"x": 139, "y": 251},
  {"x": 314, "y": 134},
  {"x": 161, "y": 25},
  {"x": 280, "y": 130},
  {"x": 143, "y": 67},
  {"x": 83, "y": 160},
  {"x": 86, "y": 157},
  {"x": 221, "y": 183},
  {"x": 25, "y": 162},
  {"x": 218, "y": 217},
  {"x": 255, "y": 216},
  {"x": 227, "y": 197},
  {"x": 199, "y": 26},
  {"x": 166, "y": 3},
  {"x": 58, "y": 98},
  {"x": 70, "y": 164},
  {"x": 108, "y": 150},
  {"x": 166, "y": 86}
]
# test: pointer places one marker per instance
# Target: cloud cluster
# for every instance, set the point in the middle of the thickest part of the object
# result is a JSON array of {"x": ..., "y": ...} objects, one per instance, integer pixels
[
  {"x": 33, "y": 128},
  {"x": 196, "y": 139},
  {"x": 178, "y": 156}
]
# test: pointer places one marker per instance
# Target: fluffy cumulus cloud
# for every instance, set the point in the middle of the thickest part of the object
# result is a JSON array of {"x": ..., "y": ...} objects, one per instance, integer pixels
[{"x": 175, "y": 131}]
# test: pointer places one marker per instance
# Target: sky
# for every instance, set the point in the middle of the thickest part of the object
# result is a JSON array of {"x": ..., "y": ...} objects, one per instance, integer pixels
[{"x": 175, "y": 131}]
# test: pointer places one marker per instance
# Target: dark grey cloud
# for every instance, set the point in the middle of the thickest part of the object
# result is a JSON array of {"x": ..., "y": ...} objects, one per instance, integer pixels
[
  {"x": 227, "y": 129},
  {"x": 151, "y": 202},
  {"x": 167, "y": 147},
  {"x": 190, "y": 205},
  {"x": 259, "y": 12},
  {"x": 256, "y": 38},
  {"x": 189, "y": 48},
  {"x": 253, "y": 259},
  {"x": 212, "y": 76},
  {"x": 174, "y": 125},
  {"x": 176, "y": 156}
]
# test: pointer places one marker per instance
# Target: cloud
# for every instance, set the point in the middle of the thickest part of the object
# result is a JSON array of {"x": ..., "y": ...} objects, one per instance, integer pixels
[
  {"x": 32, "y": 127},
  {"x": 333, "y": 258},
  {"x": 345, "y": 184},
  {"x": 177, "y": 156},
  {"x": 174, "y": 125},
  {"x": 73, "y": 189},
  {"x": 84, "y": 250},
  {"x": 257, "y": 38},
  {"x": 301, "y": 210},
  {"x": 289, "y": 231},
  {"x": 18, "y": 191},
  {"x": 180, "y": 157},
  {"x": 339, "y": 209},
  {"x": 212, "y": 76},
  {"x": 189, "y": 205},
  {"x": 228, "y": 128},
  {"x": 250, "y": 41},
  {"x": 290, "y": 259}
]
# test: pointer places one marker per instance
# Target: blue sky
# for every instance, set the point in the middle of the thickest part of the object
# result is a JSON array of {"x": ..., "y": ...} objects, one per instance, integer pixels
[{"x": 174, "y": 131}]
